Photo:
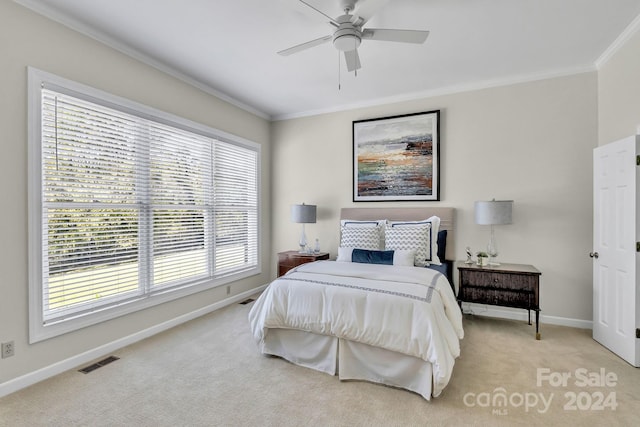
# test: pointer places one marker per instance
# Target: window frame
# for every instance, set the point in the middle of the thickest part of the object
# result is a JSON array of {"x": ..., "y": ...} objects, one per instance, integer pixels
[{"x": 38, "y": 79}]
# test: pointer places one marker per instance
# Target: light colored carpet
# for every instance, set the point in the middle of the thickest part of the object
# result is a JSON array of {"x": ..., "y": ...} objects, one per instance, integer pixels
[{"x": 208, "y": 372}]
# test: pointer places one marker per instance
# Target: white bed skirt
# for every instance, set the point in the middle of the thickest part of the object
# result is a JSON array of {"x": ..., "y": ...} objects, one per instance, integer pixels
[
  {"x": 350, "y": 360},
  {"x": 306, "y": 349}
]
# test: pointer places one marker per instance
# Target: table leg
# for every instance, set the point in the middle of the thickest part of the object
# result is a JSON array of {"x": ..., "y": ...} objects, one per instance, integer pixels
[{"x": 537, "y": 323}]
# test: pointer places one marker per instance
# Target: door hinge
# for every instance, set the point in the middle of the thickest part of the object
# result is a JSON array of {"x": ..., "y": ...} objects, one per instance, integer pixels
[
  {"x": 637, "y": 333},
  {"x": 638, "y": 160},
  {"x": 637, "y": 246}
]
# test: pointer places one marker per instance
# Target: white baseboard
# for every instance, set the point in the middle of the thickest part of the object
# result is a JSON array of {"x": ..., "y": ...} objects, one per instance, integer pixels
[
  {"x": 31, "y": 378},
  {"x": 519, "y": 314}
]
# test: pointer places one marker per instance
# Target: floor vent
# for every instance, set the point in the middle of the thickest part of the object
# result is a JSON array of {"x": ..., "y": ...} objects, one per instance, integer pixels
[
  {"x": 99, "y": 364},
  {"x": 247, "y": 301}
]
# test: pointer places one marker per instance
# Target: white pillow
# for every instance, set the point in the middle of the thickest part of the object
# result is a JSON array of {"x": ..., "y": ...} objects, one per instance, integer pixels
[
  {"x": 344, "y": 254},
  {"x": 418, "y": 235},
  {"x": 362, "y": 234},
  {"x": 435, "y": 229},
  {"x": 404, "y": 257}
]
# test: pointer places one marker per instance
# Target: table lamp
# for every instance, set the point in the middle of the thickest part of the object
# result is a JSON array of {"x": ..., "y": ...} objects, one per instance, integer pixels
[
  {"x": 303, "y": 214},
  {"x": 494, "y": 212}
]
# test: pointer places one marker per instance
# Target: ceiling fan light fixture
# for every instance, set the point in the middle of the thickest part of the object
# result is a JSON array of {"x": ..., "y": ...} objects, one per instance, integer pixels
[
  {"x": 346, "y": 37},
  {"x": 346, "y": 42}
]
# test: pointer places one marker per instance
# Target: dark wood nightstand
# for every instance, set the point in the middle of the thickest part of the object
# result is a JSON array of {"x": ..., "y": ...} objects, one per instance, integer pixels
[
  {"x": 289, "y": 259},
  {"x": 506, "y": 285}
]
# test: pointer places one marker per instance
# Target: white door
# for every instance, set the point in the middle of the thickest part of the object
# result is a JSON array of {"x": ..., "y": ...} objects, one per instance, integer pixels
[{"x": 615, "y": 235}]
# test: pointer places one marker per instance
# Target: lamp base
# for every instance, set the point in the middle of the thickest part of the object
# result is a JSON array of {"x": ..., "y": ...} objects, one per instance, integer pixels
[
  {"x": 492, "y": 249},
  {"x": 303, "y": 241}
]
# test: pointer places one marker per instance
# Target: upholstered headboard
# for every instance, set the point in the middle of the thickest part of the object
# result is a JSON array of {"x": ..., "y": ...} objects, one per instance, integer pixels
[{"x": 445, "y": 214}]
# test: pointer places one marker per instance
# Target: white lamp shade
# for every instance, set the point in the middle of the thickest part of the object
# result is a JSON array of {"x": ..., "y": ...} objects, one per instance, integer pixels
[
  {"x": 305, "y": 214},
  {"x": 494, "y": 212}
]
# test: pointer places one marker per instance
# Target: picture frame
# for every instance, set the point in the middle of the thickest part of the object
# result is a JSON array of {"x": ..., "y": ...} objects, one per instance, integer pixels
[{"x": 397, "y": 158}]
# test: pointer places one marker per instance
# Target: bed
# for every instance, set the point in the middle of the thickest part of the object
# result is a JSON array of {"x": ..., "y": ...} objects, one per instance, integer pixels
[{"x": 364, "y": 317}]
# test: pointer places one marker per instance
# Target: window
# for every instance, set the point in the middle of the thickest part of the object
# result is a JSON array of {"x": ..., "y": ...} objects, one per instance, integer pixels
[{"x": 130, "y": 207}]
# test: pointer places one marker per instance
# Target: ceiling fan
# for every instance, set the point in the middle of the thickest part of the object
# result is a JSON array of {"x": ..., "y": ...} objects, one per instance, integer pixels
[{"x": 348, "y": 33}]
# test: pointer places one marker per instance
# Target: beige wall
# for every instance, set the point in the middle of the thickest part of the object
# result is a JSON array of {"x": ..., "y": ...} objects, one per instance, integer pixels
[
  {"x": 619, "y": 93},
  {"x": 529, "y": 142},
  {"x": 27, "y": 39}
]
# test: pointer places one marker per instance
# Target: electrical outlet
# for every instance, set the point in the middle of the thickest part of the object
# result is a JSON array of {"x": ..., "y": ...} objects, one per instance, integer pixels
[{"x": 8, "y": 349}]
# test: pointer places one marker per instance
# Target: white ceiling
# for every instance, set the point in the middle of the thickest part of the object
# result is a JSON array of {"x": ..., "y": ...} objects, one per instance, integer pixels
[{"x": 228, "y": 47}]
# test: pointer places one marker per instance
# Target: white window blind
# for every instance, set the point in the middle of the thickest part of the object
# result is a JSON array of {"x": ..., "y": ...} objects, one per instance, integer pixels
[{"x": 133, "y": 207}]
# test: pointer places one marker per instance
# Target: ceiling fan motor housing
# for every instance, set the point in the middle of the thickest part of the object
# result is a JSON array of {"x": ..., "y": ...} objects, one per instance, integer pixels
[{"x": 347, "y": 37}]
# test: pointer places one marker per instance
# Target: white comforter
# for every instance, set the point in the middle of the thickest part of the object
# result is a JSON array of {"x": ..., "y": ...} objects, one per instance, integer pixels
[{"x": 403, "y": 309}]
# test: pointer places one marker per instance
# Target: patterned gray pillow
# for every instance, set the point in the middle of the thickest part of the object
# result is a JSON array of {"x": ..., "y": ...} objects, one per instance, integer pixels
[
  {"x": 360, "y": 237},
  {"x": 417, "y": 237}
]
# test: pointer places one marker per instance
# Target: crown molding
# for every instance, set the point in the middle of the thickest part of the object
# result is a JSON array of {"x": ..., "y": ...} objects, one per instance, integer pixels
[{"x": 618, "y": 43}]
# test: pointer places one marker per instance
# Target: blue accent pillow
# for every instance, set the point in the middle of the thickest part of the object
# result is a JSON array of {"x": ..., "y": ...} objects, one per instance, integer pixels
[
  {"x": 442, "y": 244},
  {"x": 372, "y": 257}
]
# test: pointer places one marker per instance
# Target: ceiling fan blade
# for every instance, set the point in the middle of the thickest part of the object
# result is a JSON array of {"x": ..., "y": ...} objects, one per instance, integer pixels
[
  {"x": 403, "y": 36},
  {"x": 303, "y": 46},
  {"x": 365, "y": 9},
  {"x": 352, "y": 59},
  {"x": 331, "y": 20}
]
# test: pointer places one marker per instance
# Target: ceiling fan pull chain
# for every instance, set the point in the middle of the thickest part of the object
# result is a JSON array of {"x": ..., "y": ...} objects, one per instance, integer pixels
[
  {"x": 355, "y": 47},
  {"x": 339, "y": 87}
]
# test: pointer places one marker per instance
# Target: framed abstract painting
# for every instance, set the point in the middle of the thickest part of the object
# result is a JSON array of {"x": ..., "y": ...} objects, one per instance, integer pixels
[{"x": 397, "y": 158}]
